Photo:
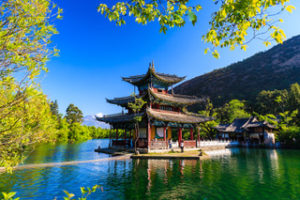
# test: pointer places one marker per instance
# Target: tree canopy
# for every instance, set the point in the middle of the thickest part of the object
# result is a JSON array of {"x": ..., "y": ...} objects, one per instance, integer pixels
[
  {"x": 229, "y": 25},
  {"x": 25, "y": 37},
  {"x": 73, "y": 114}
]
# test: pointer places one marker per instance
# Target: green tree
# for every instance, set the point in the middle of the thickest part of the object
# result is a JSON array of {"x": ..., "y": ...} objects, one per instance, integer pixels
[
  {"x": 136, "y": 107},
  {"x": 23, "y": 124},
  {"x": 207, "y": 129},
  {"x": 232, "y": 110},
  {"x": 54, "y": 110},
  {"x": 77, "y": 132},
  {"x": 73, "y": 114},
  {"x": 25, "y": 117},
  {"x": 229, "y": 26},
  {"x": 272, "y": 102},
  {"x": 62, "y": 134},
  {"x": 294, "y": 96}
]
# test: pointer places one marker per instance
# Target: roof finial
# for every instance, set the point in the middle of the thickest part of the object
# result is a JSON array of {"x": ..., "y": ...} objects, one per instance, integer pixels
[{"x": 152, "y": 64}]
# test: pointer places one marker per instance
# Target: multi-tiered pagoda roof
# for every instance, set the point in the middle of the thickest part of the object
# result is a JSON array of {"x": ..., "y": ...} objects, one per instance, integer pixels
[{"x": 162, "y": 105}]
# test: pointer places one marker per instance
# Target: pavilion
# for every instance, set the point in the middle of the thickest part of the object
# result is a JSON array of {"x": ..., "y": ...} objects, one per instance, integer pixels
[
  {"x": 248, "y": 129},
  {"x": 164, "y": 114}
]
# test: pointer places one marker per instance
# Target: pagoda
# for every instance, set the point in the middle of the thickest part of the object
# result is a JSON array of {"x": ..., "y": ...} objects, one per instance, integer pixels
[{"x": 164, "y": 116}]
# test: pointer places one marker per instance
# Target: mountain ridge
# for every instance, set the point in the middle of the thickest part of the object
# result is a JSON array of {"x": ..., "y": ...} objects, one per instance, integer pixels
[{"x": 276, "y": 68}]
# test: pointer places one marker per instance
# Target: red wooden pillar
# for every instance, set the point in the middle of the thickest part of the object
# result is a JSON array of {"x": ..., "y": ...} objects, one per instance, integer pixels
[
  {"x": 149, "y": 135},
  {"x": 192, "y": 134},
  {"x": 179, "y": 136},
  {"x": 165, "y": 136}
]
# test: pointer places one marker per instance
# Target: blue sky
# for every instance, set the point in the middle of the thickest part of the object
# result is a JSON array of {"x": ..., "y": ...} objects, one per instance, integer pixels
[{"x": 95, "y": 54}]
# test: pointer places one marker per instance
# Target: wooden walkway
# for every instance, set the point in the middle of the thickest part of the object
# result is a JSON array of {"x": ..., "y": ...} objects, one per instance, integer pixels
[{"x": 58, "y": 164}]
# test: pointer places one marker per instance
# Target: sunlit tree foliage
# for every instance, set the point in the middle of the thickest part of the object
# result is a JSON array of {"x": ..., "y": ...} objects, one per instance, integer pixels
[{"x": 234, "y": 24}]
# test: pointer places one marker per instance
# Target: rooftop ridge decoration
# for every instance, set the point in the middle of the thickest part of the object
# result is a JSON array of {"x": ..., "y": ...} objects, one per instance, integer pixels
[{"x": 166, "y": 78}]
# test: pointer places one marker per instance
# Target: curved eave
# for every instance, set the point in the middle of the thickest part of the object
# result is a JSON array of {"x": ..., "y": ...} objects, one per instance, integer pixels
[
  {"x": 120, "y": 102},
  {"x": 121, "y": 118},
  {"x": 123, "y": 101},
  {"x": 175, "y": 99},
  {"x": 152, "y": 72},
  {"x": 168, "y": 116}
]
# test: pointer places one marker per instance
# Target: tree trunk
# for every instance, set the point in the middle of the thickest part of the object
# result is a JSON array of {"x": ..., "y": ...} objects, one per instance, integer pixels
[{"x": 136, "y": 126}]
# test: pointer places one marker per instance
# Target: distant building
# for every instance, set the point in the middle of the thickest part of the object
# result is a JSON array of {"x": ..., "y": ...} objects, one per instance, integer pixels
[
  {"x": 163, "y": 113},
  {"x": 247, "y": 129}
]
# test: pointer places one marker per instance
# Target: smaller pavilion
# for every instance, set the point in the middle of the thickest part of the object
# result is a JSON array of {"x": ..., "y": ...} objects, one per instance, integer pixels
[
  {"x": 248, "y": 129},
  {"x": 164, "y": 114}
]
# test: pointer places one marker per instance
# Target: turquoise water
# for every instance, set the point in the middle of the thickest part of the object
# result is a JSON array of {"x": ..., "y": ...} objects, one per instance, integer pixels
[{"x": 239, "y": 174}]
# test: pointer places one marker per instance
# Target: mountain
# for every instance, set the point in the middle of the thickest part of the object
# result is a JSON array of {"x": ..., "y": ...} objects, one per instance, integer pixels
[
  {"x": 275, "y": 68},
  {"x": 90, "y": 120}
]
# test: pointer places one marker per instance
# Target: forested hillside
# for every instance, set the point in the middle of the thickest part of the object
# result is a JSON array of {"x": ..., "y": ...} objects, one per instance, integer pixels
[{"x": 276, "y": 68}]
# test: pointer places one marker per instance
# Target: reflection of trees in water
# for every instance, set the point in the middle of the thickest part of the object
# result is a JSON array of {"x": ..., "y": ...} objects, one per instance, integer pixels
[
  {"x": 152, "y": 178},
  {"x": 31, "y": 182},
  {"x": 36, "y": 180},
  {"x": 54, "y": 153},
  {"x": 248, "y": 174}
]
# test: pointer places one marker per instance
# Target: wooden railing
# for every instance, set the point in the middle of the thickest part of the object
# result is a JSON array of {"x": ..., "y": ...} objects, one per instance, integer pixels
[
  {"x": 189, "y": 143},
  {"x": 159, "y": 144}
]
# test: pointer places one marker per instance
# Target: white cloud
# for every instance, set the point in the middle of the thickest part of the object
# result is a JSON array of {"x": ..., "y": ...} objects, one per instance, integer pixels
[{"x": 99, "y": 115}]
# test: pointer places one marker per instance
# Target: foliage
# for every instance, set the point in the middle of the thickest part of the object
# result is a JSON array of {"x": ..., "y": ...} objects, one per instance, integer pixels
[
  {"x": 23, "y": 123},
  {"x": 63, "y": 131},
  {"x": 207, "y": 129},
  {"x": 54, "y": 110},
  {"x": 77, "y": 132},
  {"x": 229, "y": 25},
  {"x": 73, "y": 114},
  {"x": 9, "y": 196},
  {"x": 275, "y": 107},
  {"x": 25, "y": 33},
  {"x": 85, "y": 192},
  {"x": 136, "y": 107},
  {"x": 232, "y": 110},
  {"x": 25, "y": 116},
  {"x": 272, "y": 101},
  {"x": 294, "y": 96}
]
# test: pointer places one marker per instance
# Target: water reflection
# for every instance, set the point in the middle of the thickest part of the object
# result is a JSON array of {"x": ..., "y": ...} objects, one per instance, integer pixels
[{"x": 240, "y": 174}]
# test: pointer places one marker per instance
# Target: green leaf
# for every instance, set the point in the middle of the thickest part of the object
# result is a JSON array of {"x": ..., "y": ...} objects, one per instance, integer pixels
[
  {"x": 198, "y": 7},
  {"x": 267, "y": 43},
  {"x": 244, "y": 47},
  {"x": 290, "y": 8},
  {"x": 83, "y": 191},
  {"x": 216, "y": 54},
  {"x": 192, "y": 17},
  {"x": 69, "y": 195},
  {"x": 206, "y": 50}
]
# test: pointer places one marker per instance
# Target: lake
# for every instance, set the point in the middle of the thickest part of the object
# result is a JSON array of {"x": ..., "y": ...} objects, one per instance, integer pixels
[{"x": 237, "y": 174}]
